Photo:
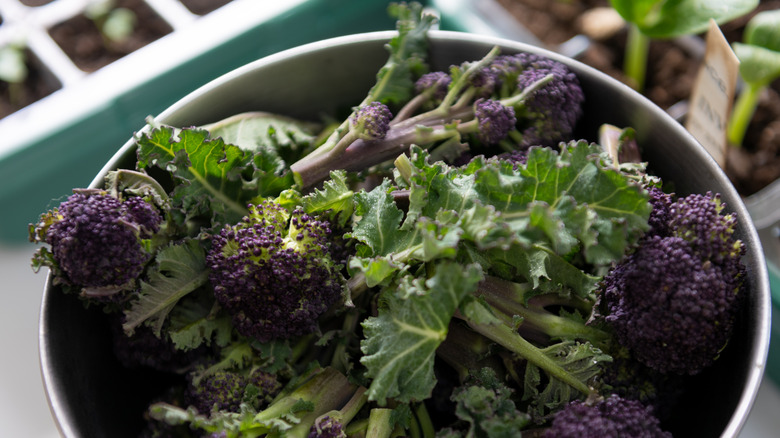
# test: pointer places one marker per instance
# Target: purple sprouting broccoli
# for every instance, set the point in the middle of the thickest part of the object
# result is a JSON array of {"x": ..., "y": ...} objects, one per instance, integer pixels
[
  {"x": 551, "y": 114},
  {"x": 524, "y": 99},
  {"x": 227, "y": 390},
  {"x": 435, "y": 83},
  {"x": 613, "y": 416},
  {"x": 97, "y": 241},
  {"x": 673, "y": 301},
  {"x": 273, "y": 273},
  {"x": 673, "y": 310},
  {"x": 495, "y": 120},
  {"x": 327, "y": 427},
  {"x": 371, "y": 121}
]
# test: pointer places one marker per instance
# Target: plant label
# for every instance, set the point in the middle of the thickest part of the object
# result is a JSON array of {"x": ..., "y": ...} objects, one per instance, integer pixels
[{"x": 713, "y": 95}]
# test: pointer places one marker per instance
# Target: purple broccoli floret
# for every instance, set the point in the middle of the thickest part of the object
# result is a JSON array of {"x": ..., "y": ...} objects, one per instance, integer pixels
[
  {"x": 327, "y": 427},
  {"x": 552, "y": 112},
  {"x": 96, "y": 240},
  {"x": 437, "y": 82},
  {"x": 609, "y": 417},
  {"x": 699, "y": 219},
  {"x": 226, "y": 390},
  {"x": 273, "y": 273},
  {"x": 371, "y": 121},
  {"x": 660, "y": 215},
  {"x": 495, "y": 120},
  {"x": 674, "y": 311}
]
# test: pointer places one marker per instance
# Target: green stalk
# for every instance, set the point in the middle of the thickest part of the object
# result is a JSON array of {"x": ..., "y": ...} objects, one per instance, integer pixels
[
  {"x": 743, "y": 113},
  {"x": 635, "y": 62},
  {"x": 509, "y": 339},
  {"x": 379, "y": 424}
]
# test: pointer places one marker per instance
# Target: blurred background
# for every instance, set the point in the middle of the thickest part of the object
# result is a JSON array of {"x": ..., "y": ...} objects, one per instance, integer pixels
[{"x": 78, "y": 77}]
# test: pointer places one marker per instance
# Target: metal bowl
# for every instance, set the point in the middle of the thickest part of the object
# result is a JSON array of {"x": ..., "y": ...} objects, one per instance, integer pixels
[{"x": 91, "y": 395}]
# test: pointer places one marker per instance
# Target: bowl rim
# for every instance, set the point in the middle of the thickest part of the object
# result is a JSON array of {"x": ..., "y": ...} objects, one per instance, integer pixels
[{"x": 763, "y": 309}]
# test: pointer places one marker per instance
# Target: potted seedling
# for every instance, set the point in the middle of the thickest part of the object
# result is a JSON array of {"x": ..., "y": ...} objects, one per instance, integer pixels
[
  {"x": 116, "y": 24},
  {"x": 431, "y": 257},
  {"x": 13, "y": 70},
  {"x": 654, "y": 19},
  {"x": 759, "y": 56}
]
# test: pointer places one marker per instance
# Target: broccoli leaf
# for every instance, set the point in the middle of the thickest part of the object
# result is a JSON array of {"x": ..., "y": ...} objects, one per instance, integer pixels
[
  {"x": 581, "y": 360},
  {"x": 400, "y": 343},
  {"x": 179, "y": 270},
  {"x": 211, "y": 174},
  {"x": 408, "y": 52},
  {"x": 261, "y": 131},
  {"x": 335, "y": 197},
  {"x": 194, "y": 322},
  {"x": 486, "y": 404}
]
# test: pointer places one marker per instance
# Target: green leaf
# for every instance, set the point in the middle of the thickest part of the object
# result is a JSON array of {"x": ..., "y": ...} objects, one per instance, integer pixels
[
  {"x": 400, "y": 343},
  {"x": 211, "y": 175},
  {"x": 408, "y": 52},
  {"x": 335, "y": 197},
  {"x": 13, "y": 64},
  {"x": 546, "y": 271},
  {"x": 138, "y": 184},
  {"x": 262, "y": 131},
  {"x": 179, "y": 269},
  {"x": 193, "y": 322},
  {"x": 581, "y": 360},
  {"x": 757, "y": 65},
  {"x": 763, "y": 30},
  {"x": 673, "y": 18}
]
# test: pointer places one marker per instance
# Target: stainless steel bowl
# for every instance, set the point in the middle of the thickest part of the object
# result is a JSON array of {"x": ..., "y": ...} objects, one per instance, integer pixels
[{"x": 91, "y": 396}]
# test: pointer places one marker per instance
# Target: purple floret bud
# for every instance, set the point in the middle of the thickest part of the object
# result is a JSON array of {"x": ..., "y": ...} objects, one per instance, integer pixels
[
  {"x": 96, "y": 239},
  {"x": 437, "y": 81},
  {"x": 327, "y": 427},
  {"x": 553, "y": 110},
  {"x": 610, "y": 417},
  {"x": 225, "y": 391},
  {"x": 371, "y": 121},
  {"x": 273, "y": 273},
  {"x": 672, "y": 310},
  {"x": 699, "y": 220},
  {"x": 495, "y": 120}
]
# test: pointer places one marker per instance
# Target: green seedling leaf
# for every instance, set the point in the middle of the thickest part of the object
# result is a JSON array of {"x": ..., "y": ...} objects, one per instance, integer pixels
[
  {"x": 763, "y": 30},
  {"x": 400, "y": 343},
  {"x": 179, "y": 270},
  {"x": 13, "y": 64},
  {"x": 757, "y": 65},
  {"x": 673, "y": 18}
]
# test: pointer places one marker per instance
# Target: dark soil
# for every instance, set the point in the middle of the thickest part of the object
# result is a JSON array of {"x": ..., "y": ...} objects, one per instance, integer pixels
[
  {"x": 38, "y": 85},
  {"x": 82, "y": 41},
  {"x": 203, "y": 7},
  {"x": 672, "y": 69}
]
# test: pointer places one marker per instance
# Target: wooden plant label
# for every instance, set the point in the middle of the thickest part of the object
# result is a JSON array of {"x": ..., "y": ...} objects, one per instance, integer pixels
[{"x": 713, "y": 95}]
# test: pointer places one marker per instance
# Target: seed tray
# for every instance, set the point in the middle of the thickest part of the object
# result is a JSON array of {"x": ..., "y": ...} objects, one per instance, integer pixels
[{"x": 62, "y": 140}]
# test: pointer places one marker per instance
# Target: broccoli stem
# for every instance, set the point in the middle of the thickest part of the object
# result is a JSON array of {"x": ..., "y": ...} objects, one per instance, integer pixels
[
  {"x": 509, "y": 298},
  {"x": 327, "y": 390},
  {"x": 635, "y": 63},
  {"x": 380, "y": 423},
  {"x": 743, "y": 112},
  {"x": 424, "y": 421},
  {"x": 508, "y": 338}
]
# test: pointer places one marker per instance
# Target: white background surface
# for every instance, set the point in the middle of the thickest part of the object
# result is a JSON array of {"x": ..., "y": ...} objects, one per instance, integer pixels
[{"x": 23, "y": 408}]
